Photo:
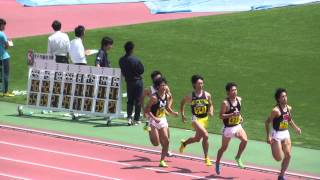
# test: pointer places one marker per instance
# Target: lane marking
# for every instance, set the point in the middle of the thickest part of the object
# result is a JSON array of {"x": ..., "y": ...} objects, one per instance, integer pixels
[
  {"x": 98, "y": 159},
  {"x": 12, "y": 176},
  {"x": 58, "y": 168},
  {"x": 63, "y": 153},
  {"x": 105, "y": 143}
]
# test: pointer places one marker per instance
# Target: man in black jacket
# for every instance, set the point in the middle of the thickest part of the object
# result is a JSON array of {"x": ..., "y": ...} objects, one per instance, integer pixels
[{"x": 132, "y": 69}]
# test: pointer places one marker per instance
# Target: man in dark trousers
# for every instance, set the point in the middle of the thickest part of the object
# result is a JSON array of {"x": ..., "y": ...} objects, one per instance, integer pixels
[{"x": 132, "y": 69}]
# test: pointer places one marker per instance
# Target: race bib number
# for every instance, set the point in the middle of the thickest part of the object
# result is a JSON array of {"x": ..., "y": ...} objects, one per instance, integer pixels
[
  {"x": 234, "y": 120},
  {"x": 284, "y": 124},
  {"x": 200, "y": 110},
  {"x": 160, "y": 113}
]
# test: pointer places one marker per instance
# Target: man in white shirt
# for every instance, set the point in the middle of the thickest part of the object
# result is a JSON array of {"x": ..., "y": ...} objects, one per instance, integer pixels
[
  {"x": 58, "y": 43},
  {"x": 77, "y": 51}
]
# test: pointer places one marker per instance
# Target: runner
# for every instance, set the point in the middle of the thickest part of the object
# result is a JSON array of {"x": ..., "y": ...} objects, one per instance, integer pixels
[
  {"x": 151, "y": 90},
  {"x": 230, "y": 113},
  {"x": 148, "y": 93},
  {"x": 156, "y": 110},
  {"x": 201, "y": 107},
  {"x": 279, "y": 139}
]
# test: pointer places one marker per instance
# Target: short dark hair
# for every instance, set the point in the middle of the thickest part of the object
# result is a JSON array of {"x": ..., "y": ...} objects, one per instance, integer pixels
[
  {"x": 128, "y": 47},
  {"x": 155, "y": 73},
  {"x": 2, "y": 22},
  {"x": 158, "y": 81},
  {"x": 106, "y": 41},
  {"x": 278, "y": 93},
  {"x": 230, "y": 85},
  {"x": 195, "y": 78},
  {"x": 56, "y": 25},
  {"x": 79, "y": 31}
]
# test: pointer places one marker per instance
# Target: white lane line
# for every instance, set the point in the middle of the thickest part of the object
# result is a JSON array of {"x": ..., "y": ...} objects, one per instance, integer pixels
[
  {"x": 98, "y": 159},
  {"x": 58, "y": 168},
  {"x": 86, "y": 140},
  {"x": 12, "y": 176},
  {"x": 63, "y": 153}
]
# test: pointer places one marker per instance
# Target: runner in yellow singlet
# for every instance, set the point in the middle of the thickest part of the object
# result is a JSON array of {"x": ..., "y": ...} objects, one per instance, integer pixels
[{"x": 201, "y": 108}]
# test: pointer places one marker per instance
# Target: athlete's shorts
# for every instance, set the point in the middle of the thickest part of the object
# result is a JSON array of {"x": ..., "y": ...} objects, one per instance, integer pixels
[
  {"x": 230, "y": 132},
  {"x": 159, "y": 125},
  {"x": 280, "y": 135},
  {"x": 202, "y": 121}
]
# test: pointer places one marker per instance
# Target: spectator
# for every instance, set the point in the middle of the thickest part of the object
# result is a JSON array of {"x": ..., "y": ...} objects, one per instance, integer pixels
[
  {"x": 4, "y": 58},
  {"x": 102, "y": 56},
  {"x": 132, "y": 69},
  {"x": 77, "y": 51},
  {"x": 58, "y": 43}
]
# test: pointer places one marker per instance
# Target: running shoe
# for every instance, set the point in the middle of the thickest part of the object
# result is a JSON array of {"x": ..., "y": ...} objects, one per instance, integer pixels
[
  {"x": 182, "y": 146},
  {"x": 146, "y": 127},
  {"x": 218, "y": 168},
  {"x": 169, "y": 154},
  {"x": 208, "y": 161},
  {"x": 8, "y": 95},
  {"x": 163, "y": 164},
  {"x": 129, "y": 121},
  {"x": 239, "y": 162}
]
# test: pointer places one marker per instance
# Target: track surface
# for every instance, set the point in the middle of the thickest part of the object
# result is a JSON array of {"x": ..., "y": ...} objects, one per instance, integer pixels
[{"x": 33, "y": 156}]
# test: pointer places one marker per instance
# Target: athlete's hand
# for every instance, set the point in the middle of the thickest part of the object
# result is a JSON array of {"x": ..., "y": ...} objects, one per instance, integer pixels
[
  {"x": 211, "y": 114},
  {"x": 269, "y": 140},
  {"x": 157, "y": 120},
  {"x": 298, "y": 131},
  {"x": 175, "y": 114},
  {"x": 145, "y": 114},
  {"x": 183, "y": 118},
  {"x": 236, "y": 113}
]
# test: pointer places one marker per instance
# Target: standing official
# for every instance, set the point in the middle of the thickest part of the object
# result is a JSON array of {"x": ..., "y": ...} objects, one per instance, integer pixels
[
  {"x": 77, "y": 51},
  {"x": 132, "y": 69},
  {"x": 102, "y": 59},
  {"x": 58, "y": 43}
]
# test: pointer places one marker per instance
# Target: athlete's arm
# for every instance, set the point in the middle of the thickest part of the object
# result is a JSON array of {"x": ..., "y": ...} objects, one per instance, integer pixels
[
  {"x": 170, "y": 100},
  {"x": 292, "y": 124},
  {"x": 273, "y": 114},
  {"x": 152, "y": 101},
  {"x": 186, "y": 99},
  {"x": 240, "y": 99},
  {"x": 168, "y": 91},
  {"x": 211, "y": 108},
  {"x": 223, "y": 110},
  {"x": 146, "y": 92},
  {"x": 169, "y": 109}
]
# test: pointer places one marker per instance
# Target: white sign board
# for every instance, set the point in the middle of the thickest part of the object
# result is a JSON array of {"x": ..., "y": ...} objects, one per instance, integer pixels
[{"x": 74, "y": 88}]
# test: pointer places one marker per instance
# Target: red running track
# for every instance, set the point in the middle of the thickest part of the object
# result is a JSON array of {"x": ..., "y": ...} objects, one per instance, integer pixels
[
  {"x": 33, "y": 156},
  {"x": 29, "y": 21}
]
